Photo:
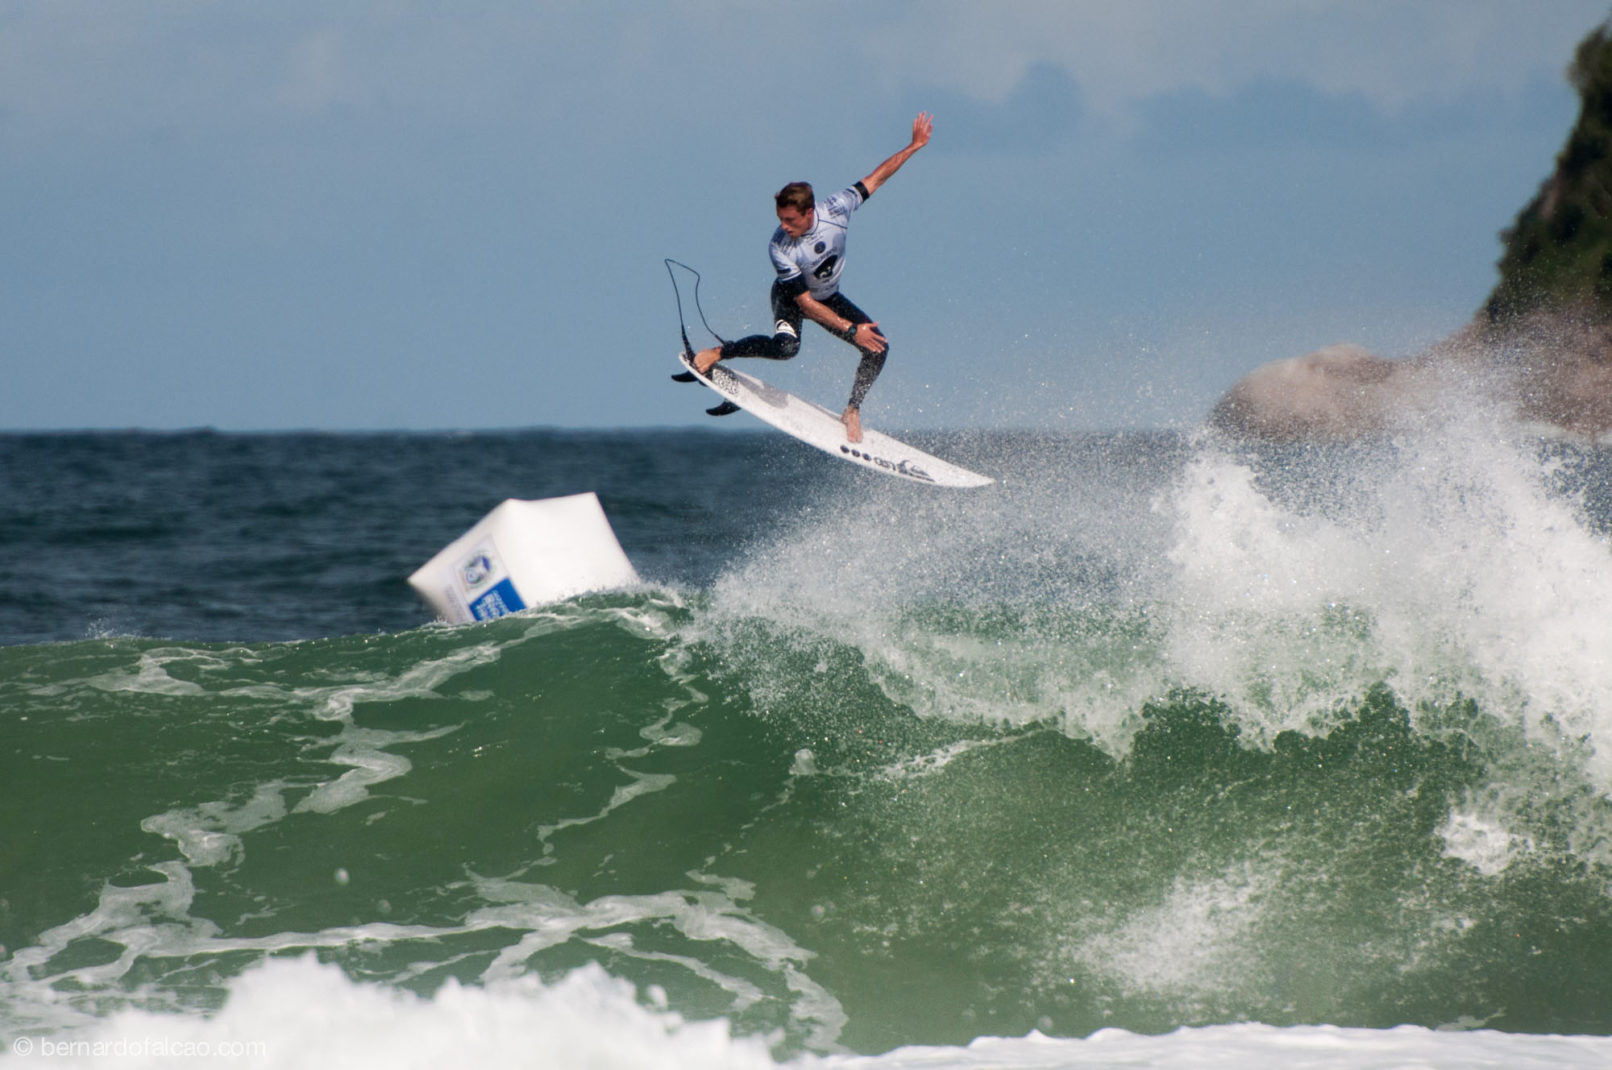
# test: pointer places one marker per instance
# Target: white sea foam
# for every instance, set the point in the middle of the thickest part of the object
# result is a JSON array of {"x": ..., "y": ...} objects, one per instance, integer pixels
[
  {"x": 296, "y": 1013},
  {"x": 1452, "y": 568},
  {"x": 1484, "y": 845},
  {"x": 1444, "y": 564},
  {"x": 1196, "y": 941},
  {"x": 211, "y": 833},
  {"x": 151, "y": 924},
  {"x": 150, "y": 675},
  {"x": 1236, "y": 1047},
  {"x": 1035, "y": 581},
  {"x": 1453, "y": 571}
]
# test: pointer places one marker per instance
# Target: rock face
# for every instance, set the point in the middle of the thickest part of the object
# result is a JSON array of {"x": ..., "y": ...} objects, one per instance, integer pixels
[
  {"x": 1555, "y": 363},
  {"x": 1541, "y": 343},
  {"x": 1559, "y": 250},
  {"x": 1334, "y": 393}
]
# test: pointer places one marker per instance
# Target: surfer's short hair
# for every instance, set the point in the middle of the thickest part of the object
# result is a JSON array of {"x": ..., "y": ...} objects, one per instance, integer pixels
[{"x": 796, "y": 195}]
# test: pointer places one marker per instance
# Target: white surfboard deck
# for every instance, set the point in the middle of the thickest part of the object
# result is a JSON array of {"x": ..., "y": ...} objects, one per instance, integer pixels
[{"x": 816, "y": 426}]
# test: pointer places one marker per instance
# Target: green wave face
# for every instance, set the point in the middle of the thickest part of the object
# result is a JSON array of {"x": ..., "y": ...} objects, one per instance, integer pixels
[
  {"x": 1212, "y": 738},
  {"x": 744, "y": 818}
]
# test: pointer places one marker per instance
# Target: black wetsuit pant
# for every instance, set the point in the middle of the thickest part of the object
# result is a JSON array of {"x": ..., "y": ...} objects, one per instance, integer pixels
[{"x": 784, "y": 342}]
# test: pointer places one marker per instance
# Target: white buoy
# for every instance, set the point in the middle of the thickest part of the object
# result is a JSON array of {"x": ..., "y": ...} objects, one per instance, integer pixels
[{"x": 523, "y": 554}]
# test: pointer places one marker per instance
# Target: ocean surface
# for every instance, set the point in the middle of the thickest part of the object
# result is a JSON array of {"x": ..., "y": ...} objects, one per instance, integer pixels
[{"x": 1163, "y": 751}]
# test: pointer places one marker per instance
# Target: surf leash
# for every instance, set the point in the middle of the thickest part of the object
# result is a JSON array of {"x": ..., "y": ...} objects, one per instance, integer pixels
[
  {"x": 678, "y": 294},
  {"x": 727, "y": 407}
]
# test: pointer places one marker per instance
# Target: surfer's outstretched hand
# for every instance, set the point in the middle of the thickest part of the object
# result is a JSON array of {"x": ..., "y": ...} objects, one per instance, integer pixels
[
  {"x": 922, "y": 127},
  {"x": 852, "y": 419},
  {"x": 706, "y": 359}
]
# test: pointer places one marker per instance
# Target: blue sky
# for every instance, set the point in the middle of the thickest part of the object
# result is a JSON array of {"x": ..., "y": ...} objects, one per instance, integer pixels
[{"x": 407, "y": 215}]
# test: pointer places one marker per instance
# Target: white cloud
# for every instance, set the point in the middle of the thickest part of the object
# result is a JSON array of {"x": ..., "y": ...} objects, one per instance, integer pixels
[
  {"x": 1119, "y": 53},
  {"x": 80, "y": 65}
]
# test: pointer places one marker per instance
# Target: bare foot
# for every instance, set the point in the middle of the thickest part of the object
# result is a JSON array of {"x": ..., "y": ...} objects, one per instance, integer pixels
[
  {"x": 852, "y": 419},
  {"x": 706, "y": 359}
]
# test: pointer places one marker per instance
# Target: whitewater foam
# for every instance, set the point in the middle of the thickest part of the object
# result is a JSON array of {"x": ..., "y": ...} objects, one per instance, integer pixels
[
  {"x": 1448, "y": 568},
  {"x": 1192, "y": 944},
  {"x": 299, "y": 1013}
]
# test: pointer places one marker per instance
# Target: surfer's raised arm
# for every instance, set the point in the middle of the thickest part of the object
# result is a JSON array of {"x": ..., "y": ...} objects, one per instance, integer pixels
[{"x": 921, "y": 129}]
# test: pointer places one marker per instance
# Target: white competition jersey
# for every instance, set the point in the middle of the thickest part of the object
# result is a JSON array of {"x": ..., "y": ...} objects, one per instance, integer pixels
[{"x": 818, "y": 256}]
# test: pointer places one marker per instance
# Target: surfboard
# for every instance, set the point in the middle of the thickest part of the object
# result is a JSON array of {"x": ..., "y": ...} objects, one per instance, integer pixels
[{"x": 816, "y": 426}]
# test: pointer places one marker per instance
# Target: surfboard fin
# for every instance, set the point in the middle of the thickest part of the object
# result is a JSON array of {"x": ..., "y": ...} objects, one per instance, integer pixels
[
  {"x": 727, "y": 408},
  {"x": 685, "y": 377}
]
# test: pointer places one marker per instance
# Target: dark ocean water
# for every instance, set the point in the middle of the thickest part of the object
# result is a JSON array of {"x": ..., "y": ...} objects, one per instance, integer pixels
[
  {"x": 214, "y": 536},
  {"x": 1156, "y": 734}
]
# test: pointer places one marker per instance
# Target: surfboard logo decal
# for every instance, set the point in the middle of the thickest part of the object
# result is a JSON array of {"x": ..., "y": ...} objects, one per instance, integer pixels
[{"x": 906, "y": 468}]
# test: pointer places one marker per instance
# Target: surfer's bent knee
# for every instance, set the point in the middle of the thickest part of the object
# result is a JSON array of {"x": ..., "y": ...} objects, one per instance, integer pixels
[{"x": 785, "y": 337}]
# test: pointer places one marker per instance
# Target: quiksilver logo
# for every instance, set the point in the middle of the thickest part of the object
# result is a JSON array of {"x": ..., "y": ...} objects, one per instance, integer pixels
[{"x": 903, "y": 467}]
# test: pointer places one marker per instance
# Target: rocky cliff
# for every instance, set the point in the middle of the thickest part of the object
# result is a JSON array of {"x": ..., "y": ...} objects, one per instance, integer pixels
[{"x": 1559, "y": 251}]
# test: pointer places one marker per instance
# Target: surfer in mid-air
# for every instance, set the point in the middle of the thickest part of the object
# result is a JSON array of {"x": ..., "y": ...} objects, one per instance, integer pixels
[{"x": 808, "y": 251}]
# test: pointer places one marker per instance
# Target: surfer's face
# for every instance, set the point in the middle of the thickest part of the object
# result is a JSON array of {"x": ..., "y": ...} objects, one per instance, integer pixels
[{"x": 794, "y": 222}]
